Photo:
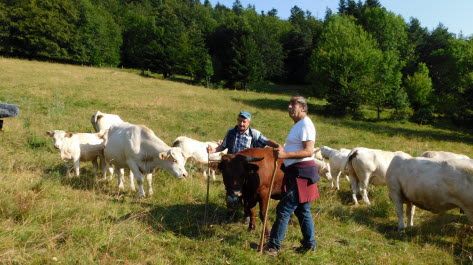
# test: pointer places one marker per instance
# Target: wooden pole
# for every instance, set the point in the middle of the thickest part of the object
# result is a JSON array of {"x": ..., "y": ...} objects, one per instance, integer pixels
[
  {"x": 261, "y": 241},
  {"x": 208, "y": 188}
]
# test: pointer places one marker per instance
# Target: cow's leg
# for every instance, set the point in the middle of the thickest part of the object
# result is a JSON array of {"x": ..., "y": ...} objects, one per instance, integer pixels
[
  {"x": 138, "y": 176},
  {"x": 205, "y": 174},
  {"x": 333, "y": 180},
  {"x": 76, "y": 166},
  {"x": 120, "y": 179},
  {"x": 337, "y": 180},
  {"x": 263, "y": 205},
  {"x": 111, "y": 170},
  {"x": 395, "y": 196},
  {"x": 410, "y": 210},
  {"x": 149, "y": 178},
  {"x": 354, "y": 189},
  {"x": 364, "y": 188},
  {"x": 212, "y": 172},
  {"x": 103, "y": 167},
  {"x": 251, "y": 212},
  {"x": 95, "y": 166},
  {"x": 132, "y": 180}
]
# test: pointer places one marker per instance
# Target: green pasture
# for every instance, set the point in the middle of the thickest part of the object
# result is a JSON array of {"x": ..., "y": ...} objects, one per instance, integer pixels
[{"x": 47, "y": 218}]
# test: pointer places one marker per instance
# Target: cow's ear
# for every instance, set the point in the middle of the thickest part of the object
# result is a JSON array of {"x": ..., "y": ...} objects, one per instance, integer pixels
[
  {"x": 50, "y": 133},
  {"x": 163, "y": 155}
]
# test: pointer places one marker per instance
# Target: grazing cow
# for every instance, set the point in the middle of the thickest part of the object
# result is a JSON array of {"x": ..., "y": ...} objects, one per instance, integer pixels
[
  {"x": 317, "y": 154},
  {"x": 103, "y": 121},
  {"x": 198, "y": 151},
  {"x": 247, "y": 174},
  {"x": 433, "y": 185},
  {"x": 136, "y": 147},
  {"x": 80, "y": 147},
  {"x": 337, "y": 160},
  {"x": 442, "y": 155},
  {"x": 366, "y": 166}
]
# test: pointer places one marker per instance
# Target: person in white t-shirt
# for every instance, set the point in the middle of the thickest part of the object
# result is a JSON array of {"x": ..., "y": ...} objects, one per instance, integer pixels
[{"x": 300, "y": 180}]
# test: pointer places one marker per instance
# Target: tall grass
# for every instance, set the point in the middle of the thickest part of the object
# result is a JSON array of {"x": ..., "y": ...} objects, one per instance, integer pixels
[{"x": 47, "y": 218}]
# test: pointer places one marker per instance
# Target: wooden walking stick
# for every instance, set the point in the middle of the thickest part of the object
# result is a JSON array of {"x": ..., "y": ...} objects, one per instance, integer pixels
[
  {"x": 208, "y": 187},
  {"x": 261, "y": 241}
]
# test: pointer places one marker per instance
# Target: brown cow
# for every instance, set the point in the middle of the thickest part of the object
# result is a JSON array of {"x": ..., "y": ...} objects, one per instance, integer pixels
[{"x": 247, "y": 174}]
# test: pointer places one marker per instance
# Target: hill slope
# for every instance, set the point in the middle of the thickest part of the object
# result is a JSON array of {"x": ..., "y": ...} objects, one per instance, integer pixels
[{"x": 46, "y": 217}]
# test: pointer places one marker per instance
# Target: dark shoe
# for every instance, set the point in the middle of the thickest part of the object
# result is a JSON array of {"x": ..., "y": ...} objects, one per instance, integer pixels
[
  {"x": 271, "y": 251},
  {"x": 304, "y": 249}
]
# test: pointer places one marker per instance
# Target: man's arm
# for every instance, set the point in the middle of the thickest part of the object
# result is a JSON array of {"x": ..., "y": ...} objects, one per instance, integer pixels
[
  {"x": 306, "y": 152},
  {"x": 272, "y": 143}
]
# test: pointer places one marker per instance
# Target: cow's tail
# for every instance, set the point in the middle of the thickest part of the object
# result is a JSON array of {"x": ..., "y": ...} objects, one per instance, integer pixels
[
  {"x": 176, "y": 143},
  {"x": 103, "y": 134},
  {"x": 348, "y": 166}
]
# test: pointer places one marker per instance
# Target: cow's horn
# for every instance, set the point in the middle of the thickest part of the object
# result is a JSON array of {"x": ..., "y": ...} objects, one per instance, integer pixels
[{"x": 253, "y": 159}]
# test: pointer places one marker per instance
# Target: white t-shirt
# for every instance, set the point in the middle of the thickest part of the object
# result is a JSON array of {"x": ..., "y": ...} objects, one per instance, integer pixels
[{"x": 301, "y": 131}]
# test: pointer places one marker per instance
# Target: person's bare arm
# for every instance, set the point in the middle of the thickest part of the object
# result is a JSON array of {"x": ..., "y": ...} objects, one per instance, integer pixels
[
  {"x": 306, "y": 152},
  {"x": 272, "y": 143},
  {"x": 211, "y": 150}
]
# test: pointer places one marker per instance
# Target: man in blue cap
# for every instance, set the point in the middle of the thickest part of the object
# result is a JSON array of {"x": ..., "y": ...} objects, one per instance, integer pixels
[
  {"x": 242, "y": 136},
  {"x": 239, "y": 138}
]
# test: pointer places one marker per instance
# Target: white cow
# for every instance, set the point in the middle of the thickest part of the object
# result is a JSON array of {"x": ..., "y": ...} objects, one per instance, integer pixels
[
  {"x": 337, "y": 160},
  {"x": 80, "y": 147},
  {"x": 101, "y": 122},
  {"x": 323, "y": 169},
  {"x": 197, "y": 150},
  {"x": 136, "y": 147},
  {"x": 433, "y": 185},
  {"x": 366, "y": 166},
  {"x": 317, "y": 154},
  {"x": 442, "y": 155}
]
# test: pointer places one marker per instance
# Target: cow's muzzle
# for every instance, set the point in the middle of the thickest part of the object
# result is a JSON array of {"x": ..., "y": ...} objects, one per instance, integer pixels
[{"x": 234, "y": 199}]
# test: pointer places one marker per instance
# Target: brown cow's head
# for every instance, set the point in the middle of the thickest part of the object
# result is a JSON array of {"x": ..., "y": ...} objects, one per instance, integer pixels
[{"x": 235, "y": 171}]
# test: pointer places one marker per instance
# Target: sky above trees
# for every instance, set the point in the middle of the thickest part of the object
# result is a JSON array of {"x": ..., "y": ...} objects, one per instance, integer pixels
[{"x": 454, "y": 15}]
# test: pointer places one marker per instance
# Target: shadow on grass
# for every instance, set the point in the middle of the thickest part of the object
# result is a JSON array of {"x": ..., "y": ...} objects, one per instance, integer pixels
[
  {"x": 452, "y": 135},
  {"x": 181, "y": 219},
  {"x": 345, "y": 198},
  {"x": 449, "y": 232},
  {"x": 86, "y": 181}
]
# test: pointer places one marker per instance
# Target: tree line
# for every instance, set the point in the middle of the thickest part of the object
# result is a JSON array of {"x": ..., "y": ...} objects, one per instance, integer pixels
[{"x": 360, "y": 54}]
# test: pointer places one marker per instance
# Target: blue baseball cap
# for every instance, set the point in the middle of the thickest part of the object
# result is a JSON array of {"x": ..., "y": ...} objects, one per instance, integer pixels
[{"x": 245, "y": 114}]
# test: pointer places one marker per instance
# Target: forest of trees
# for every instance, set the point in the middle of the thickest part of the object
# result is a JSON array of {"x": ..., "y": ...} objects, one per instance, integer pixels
[{"x": 360, "y": 54}]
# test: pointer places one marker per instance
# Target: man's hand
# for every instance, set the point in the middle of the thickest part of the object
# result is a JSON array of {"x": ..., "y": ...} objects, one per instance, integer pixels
[
  {"x": 280, "y": 152},
  {"x": 210, "y": 149}
]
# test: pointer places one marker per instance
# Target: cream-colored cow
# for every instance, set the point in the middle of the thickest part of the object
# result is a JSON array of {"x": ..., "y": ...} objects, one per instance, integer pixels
[
  {"x": 433, "y": 185},
  {"x": 136, "y": 147}
]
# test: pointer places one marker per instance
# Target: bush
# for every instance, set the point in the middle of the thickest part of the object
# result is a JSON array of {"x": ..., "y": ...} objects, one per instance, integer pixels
[{"x": 424, "y": 115}]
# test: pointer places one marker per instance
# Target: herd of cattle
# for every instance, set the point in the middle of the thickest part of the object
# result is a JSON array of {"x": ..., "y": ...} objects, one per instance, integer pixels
[{"x": 437, "y": 181}]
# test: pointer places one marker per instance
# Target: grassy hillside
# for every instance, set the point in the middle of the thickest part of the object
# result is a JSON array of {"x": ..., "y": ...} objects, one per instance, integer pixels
[{"x": 46, "y": 218}]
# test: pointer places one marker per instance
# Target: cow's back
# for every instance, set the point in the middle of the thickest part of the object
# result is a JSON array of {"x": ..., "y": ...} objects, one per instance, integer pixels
[
  {"x": 443, "y": 155},
  {"x": 103, "y": 121},
  {"x": 122, "y": 142},
  {"x": 433, "y": 185}
]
